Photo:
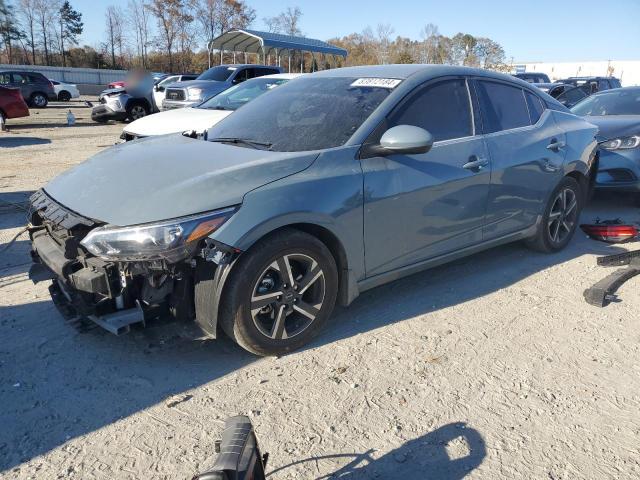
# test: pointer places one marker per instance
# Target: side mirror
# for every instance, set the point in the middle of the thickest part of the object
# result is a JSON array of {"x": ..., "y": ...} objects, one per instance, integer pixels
[{"x": 402, "y": 139}]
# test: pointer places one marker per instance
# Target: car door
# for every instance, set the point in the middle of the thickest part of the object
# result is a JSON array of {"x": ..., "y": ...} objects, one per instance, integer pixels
[
  {"x": 421, "y": 206},
  {"x": 526, "y": 148},
  {"x": 21, "y": 81}
]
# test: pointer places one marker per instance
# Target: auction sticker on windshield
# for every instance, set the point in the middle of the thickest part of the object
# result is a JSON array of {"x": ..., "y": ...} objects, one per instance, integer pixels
[{"x": 377, "y": 82}]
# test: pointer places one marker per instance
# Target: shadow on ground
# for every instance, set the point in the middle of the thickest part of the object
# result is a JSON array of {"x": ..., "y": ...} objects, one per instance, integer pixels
[
  {"x": 57, "y": 384},
  {"x": 13, "y": 142},
  {"x": 425, "y": 457}
]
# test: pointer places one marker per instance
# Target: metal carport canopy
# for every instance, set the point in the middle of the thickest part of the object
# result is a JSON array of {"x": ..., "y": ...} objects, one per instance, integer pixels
[{"x": 253, "y": 41}]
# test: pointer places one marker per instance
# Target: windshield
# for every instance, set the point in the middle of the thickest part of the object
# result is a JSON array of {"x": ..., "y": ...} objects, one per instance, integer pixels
[
  {"x": 612, "y": 102},
  {"x": 219, "y": 74},
  {"x": 238, "y": 95},
  {"x": 312, "y": 113}
]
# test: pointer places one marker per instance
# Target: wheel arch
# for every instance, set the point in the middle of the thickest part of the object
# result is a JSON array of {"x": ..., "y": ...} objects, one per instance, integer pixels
[
  {"x": 211, "y": 285},
  {"x": 331, "y": 240},
  {"x": 138, "y": 101}
]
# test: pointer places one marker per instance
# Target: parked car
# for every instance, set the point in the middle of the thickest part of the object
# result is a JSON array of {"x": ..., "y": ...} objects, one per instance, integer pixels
[
  {"x": 133, "y": 102},
  {"x": 65, "y": 91},
  {"x": 565, "y": 93},
  {"x": 533, "y": 77},
  {"x": 616, "y": 113},
  {"x": 12, "y": 105},
  {"x": 593, "y": 84},
  {"x": 261, "y": 227},
  {"x": 36, "y": 89},
  {"x": 118, "y": 84},
  {"x": 157, "y": 76},
  {"x": 212, "y": 82},
  {"x": 160, "y": 86},
  {"x": 206, "y": 114}
]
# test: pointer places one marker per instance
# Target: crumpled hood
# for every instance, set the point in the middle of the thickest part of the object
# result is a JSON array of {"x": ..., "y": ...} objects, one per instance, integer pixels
[
  {"x": 615, "y": 126},
  {"x": 170, "y": 176},
  {"x": 176, "y": 121}
]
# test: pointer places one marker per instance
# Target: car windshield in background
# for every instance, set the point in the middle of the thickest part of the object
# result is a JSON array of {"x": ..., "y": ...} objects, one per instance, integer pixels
[
  {"x": 236, "y": 96},
  {"x": 308, "y": 114},
  {"x": 615, "y": 102},
  {"x": 219, "y": 74}
]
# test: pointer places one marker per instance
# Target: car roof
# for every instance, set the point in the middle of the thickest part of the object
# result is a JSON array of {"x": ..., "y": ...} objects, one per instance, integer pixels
[
  {"x": 283, "y": 76},
  {"x": 595, "y": 77},
  {"x": 404, "y": 71},
  {"x": 622, "y": 89}
]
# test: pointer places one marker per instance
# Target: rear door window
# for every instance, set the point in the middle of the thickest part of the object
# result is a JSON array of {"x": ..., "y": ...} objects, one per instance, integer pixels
[
  {"x": 5, "y": 78},
  {"x": 443, "y": 109},
  {"x": 503, "y": 106},
  {"x": 534, "y": 104},
  {"x": 20, "y": 78}
]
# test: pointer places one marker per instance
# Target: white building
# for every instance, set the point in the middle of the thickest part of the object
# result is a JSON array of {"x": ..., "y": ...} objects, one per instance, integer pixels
[{"x": 628, "y": 71}]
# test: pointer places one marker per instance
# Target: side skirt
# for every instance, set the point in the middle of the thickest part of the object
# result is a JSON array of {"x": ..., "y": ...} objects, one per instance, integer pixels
[{"x": 381, "y": 279}]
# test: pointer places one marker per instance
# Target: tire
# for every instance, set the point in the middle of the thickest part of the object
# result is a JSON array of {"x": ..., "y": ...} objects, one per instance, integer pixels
[
  {"x": 281, "y": 323},
  {"x": 64, "y": 96},
  {"x": 3, "y": 121},
  {"x": 136, "y": 110},
  {"x": 560, "y": 218},
  {"x": 39, "y": 100}
]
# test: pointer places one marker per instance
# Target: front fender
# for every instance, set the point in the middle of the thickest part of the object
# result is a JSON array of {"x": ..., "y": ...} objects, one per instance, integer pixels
[{"x": 328, "y": 194}]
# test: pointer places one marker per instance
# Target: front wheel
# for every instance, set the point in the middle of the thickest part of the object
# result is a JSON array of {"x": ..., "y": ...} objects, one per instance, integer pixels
[
  {"x": 136, "y": 111},
  {"x": 64, "y": 96},
  {"x": 39, "y": 100},
  {"x": 280, "y": 293},
  {"x": 560, "y": 218}
]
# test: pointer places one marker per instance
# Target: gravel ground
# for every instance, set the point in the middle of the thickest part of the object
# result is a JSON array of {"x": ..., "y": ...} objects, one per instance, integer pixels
[{"x": 491, "y": 367}]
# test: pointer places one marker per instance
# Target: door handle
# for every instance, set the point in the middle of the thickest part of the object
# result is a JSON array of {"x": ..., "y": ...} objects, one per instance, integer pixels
[
  {"x": 555, "y": 145},
  {"x": 476, "y": 163}
]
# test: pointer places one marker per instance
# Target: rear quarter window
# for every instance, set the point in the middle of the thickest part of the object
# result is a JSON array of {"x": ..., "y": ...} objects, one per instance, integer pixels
[
  {"x": 535, "y": 106},
  {"x": 503, "y": 106}
]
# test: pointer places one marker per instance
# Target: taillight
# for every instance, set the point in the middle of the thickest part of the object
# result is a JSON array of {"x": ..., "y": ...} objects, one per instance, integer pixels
[{"x": 610, "y": 233}]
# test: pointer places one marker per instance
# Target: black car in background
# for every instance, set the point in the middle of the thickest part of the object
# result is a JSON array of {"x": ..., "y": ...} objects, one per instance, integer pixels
[
  {"x": 565, "y": 93},
  {"x": 36, "y": 89},
  {"x": 593, "y": 84},
  {"x": 533, "y": 77}
]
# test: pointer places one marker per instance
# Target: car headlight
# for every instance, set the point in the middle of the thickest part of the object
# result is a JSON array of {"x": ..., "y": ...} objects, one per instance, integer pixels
[
  {"x": 172, "y": 240},
  {"x": 195, "y": 93},
  {"x": 621, "y": 143}
]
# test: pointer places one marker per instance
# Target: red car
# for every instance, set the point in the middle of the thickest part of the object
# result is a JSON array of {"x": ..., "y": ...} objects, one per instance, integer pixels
[
  {"x": 12, "y": 105},
  {"x": 118, "y": 84}
]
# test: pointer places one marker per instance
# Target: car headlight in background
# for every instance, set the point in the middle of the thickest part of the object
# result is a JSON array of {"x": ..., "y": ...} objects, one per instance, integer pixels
[
  {"x": 194, "y": 93},
  {"x": 172, "y": 240},
  {"x": 621, "y": 143}
]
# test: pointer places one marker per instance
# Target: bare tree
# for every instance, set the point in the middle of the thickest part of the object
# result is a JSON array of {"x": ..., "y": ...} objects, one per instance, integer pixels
[
  {"x": 490, "y": 54},
  {"x": 169, "y": 14},
  {"x": 113, "y": 25},
  {"x": 139, "y": 23},
  {"x": 28, "y": 13},
  {"x": 287, "y": 22},
  {"x": 46, "y": 13},
  {"x": 384, "y": 32}
]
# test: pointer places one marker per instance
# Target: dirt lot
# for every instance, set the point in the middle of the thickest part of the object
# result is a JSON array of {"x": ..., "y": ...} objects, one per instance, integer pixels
[{"x": 492, "y": 367}]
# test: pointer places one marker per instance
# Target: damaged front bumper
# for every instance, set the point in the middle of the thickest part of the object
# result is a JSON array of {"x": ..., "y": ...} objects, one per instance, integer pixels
[{"x": 117, "y": 295}]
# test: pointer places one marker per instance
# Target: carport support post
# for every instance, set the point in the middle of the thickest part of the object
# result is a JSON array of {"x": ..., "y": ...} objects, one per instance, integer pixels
[{"x": 289, "y": 64}]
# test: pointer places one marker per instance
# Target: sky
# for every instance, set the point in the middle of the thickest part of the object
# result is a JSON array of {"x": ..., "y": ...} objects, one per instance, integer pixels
[{"x": 529, "y": 31}]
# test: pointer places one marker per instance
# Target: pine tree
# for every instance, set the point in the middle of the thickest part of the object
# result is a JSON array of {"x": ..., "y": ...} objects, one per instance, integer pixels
[{"x": 71, "y": 27}]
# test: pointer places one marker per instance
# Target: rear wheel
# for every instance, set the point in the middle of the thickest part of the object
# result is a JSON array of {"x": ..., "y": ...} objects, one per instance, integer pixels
[
  {"x": 560, "y": 218},
  {"x": 64, "y": 96},
  {"x": 280, "y": 293},
  {"x": 39, "y": 100},
  {"x": 136, "y": 111}
]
